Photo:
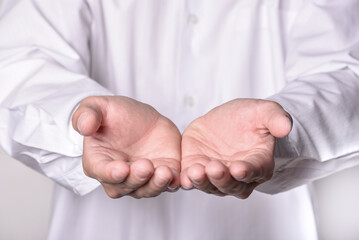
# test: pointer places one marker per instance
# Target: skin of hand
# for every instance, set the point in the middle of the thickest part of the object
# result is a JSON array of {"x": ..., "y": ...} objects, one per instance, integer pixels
[
  {"x": 128, "y": 146},
  {"x": 229, "y": 151}
]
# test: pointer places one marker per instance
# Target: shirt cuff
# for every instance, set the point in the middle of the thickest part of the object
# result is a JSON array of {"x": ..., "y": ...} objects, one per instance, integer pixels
[{"x": 79, "y": 182}]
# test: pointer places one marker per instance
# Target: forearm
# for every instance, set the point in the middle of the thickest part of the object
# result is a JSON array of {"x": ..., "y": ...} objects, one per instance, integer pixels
[
  {"x": 325, "y": 122},
  {"x": 35, "y": 123},
  {"x": 322, "y": 70}
]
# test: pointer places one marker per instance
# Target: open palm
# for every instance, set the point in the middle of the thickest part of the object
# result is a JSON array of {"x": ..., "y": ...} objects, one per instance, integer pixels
[
  {"x": 229, "y": 151},
  {"x": 128, "y": 146}
]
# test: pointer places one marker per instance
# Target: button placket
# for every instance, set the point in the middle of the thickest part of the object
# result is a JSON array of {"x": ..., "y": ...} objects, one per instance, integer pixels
[{"x": 191, "y": 19}]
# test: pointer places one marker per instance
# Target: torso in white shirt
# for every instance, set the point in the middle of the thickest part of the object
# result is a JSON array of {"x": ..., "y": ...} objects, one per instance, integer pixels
[{"x": 184, "y": 58}]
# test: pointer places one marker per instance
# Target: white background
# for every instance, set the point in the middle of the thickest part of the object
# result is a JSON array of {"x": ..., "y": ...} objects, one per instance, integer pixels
[{"x": 25, "y": 203}]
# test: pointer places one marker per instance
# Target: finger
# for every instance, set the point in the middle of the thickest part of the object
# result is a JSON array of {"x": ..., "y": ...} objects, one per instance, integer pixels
[
  {"x": 219, "y": 175},
  {"x": 108, "y": 171},
  {"x": 207, "y": 186},
  {"x": 140, "y": 172},
  {"x": 198, "y": 177},
  {"x": 254, "y": 168},
  {"x": 197, "y": 174},
  {"x": 87, "y": 119},
  {"x": 187, "y": 162},
  {"x": 174, "y": 165},
  {"x": 158, "y": 183},
  {"x": 176, "y": 181},
  {"x": 221, "y": 178},
  {"x": 185, "y": 181},
  {"x": 246, "y": 191},
  {"x": 241, "y": 170},
  {"x": 277, "y": 120}
]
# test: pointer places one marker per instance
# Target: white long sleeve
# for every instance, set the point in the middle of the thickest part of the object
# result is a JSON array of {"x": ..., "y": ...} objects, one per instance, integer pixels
[
  {"x": 322, "y": 69},
  {"x": 44, "y": 68}
]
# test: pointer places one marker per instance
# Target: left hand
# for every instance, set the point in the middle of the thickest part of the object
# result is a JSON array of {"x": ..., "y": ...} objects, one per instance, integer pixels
[{"x": 229, "y": 151}]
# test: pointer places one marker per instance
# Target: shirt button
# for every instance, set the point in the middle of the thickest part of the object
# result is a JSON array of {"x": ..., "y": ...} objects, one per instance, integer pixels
[
  {"x": 192, "y": 19},
  {"x": 188, "y": 101}
]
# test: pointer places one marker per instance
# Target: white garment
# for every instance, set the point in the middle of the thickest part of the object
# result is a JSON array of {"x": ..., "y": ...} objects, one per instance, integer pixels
[{"x": 183, "y": 58}]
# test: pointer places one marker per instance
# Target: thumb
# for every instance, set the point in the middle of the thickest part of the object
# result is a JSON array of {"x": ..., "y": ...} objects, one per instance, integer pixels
[
  {"x": 278, "y": 122},
  {"x": 87, "y": 119}
]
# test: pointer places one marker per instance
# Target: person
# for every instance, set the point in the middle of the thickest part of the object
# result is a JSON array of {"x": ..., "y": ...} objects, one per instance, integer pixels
[{"x": 93, "y": 94}]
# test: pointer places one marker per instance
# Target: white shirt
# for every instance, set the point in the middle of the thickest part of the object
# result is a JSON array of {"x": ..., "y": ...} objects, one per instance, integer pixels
[{"x": 183, "y": 58}]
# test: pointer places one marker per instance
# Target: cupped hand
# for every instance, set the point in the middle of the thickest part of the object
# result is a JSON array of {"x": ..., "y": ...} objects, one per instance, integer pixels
[
  {"x": 229, "y": 151},
  {"x": 129, "y": 147}
]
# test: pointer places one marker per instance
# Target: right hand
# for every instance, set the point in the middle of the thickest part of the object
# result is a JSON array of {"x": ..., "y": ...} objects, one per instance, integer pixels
[{"x": 129, "y": 147}]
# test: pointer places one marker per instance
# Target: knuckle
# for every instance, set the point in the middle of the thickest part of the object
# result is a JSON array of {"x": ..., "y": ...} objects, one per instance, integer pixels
[
  {"x": 246, "y": 193},
  {"x": 219, "y": 194},
  {"x": 113, "y": 191},
  {"x": 134, "y": 195},
  {"x": 114, "y": 194},
  {"x": 147, "y": 194},
  {"x": 240, "y": 188},
  {"x": 243, "y": 196},
  {"x": 150, "y": 195}
]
